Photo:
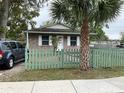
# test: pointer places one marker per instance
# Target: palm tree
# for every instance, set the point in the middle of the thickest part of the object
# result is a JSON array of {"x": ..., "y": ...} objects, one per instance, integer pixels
[{"x": 82, "y": 13}]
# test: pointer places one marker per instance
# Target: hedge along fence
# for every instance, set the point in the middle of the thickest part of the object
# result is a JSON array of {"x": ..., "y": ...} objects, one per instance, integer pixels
[{"x": 70, "y": 58}]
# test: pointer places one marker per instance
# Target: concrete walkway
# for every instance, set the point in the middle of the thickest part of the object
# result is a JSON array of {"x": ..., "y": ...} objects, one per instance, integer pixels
[{"x": 113, "y": 85}]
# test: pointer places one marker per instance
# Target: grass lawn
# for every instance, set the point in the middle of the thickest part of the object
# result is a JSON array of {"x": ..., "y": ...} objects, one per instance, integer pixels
[{"x": 64, "y": 74}]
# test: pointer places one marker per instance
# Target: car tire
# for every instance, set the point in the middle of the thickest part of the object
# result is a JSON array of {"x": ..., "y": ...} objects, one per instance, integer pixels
[{"x": 10, "y": 63}]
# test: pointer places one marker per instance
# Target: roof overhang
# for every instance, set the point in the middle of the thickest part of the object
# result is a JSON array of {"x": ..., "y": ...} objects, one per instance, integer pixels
[
  {"x": 57, "y": 29},
  {"x": 60, "y": 33},
  {"x": 56, "y": 33}
]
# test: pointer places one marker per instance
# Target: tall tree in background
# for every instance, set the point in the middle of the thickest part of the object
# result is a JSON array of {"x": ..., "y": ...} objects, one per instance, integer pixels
[
  {"x": 4, "y": 11},
  {"x": 19, "y": 19},
  {"x": 100, "y": 34},
  {"x": 82, "y": 12},
  {"x": 17, "y": 12}
]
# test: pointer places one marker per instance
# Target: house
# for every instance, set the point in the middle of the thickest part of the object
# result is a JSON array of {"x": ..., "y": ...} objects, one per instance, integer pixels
[
  {"x": 41, "y": 37},
  {"x": 105, "y": 44}
]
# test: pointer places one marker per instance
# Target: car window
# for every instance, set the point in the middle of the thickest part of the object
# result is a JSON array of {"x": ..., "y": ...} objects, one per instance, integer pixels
[
  {"x": 13, "y": 45},
  {"x": 19, "y": 45},
  {"x": 4, "y": 47},
  {"x": 7, "y": 44}
]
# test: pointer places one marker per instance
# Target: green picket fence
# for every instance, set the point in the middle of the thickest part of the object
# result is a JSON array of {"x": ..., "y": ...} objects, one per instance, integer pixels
[
  {"x": 70, "y": 58},
  {"x": 102, "y": 58},
  {"x": 48, "y": 58}
]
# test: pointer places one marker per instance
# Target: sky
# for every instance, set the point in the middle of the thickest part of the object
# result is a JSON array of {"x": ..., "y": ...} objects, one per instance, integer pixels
[{"x": 115, "y": 27}]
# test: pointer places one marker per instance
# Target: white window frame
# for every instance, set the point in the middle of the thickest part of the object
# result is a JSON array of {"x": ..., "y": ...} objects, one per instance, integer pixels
[
  {"x": 48, "y": 40},
  {"x": 68, "y": 40},
  {"x": 40, "y": 40},
  {"x": 78, "y": 40},
  {"x": 73, "y": 40}
]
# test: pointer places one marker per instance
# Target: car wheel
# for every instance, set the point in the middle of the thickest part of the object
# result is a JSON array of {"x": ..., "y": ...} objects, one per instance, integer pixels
[{"x": 10, "y": 63}]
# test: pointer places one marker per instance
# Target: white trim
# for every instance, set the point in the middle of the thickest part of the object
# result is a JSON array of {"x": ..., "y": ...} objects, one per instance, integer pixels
[
  {"x": 40, "y": 40},
  {"x": 68, "y": 41},
  {"x": 78, "y": 40},
  {"x": 61, "y": 33},
  {"x": 50, "y": 40},
  {"x": 27, "y": 41}
]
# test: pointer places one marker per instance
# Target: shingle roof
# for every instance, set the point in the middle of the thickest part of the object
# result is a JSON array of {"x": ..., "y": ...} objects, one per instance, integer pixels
[{"x": 55, "y": 29}]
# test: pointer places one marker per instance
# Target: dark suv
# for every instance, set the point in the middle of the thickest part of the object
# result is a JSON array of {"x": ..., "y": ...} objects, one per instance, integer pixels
[
  {"x": 11, "y": 52},
  {"x": 120, "y": 46}
]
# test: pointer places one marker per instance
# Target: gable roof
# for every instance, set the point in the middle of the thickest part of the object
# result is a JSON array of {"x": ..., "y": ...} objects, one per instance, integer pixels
[
  {"x": 54, "y": 29},
  {"x": 57, "y": 26}
]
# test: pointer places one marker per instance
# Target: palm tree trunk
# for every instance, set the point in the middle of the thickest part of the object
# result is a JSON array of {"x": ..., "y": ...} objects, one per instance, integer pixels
[
  {"x": 84, "y": 48},
  {"x": 4, "y": 9}
]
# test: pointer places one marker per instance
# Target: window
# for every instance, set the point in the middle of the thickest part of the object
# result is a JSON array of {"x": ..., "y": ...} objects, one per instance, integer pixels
[
  {"x": 13, "y": 45},
  {"x": 73, "y": 40},
  {"x": 5, "y": 47},
  {"x": 45, "y": 40}
]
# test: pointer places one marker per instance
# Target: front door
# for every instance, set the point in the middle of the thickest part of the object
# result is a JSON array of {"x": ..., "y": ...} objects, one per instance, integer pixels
[{"x": 60, "y": 42}]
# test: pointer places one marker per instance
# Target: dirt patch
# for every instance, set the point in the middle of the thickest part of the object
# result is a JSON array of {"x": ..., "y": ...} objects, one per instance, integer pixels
[{"x": 4, "y": 73}]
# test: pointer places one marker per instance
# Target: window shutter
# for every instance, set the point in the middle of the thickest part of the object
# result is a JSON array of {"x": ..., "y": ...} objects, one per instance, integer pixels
[
  {"x": 50, "y": 40},
  {"x": 40, "y": 40},
  {"x": 68, "y": 41},
  {"x": 78, "y": 40}
]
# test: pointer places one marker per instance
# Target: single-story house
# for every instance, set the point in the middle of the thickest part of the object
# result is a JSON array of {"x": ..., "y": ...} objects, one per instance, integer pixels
[{"x": 41, "y": 37}]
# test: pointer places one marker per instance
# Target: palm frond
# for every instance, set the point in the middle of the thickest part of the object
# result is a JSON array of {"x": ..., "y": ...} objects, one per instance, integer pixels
[{"x": 73, "y": 11}]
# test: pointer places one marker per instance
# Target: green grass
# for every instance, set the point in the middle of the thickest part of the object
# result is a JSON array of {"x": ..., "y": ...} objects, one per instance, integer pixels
[{"x": 64, "y": 74}]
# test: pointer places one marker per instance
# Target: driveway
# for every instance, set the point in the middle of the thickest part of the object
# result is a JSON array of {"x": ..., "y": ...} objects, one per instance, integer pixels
[
  {"x": 4, "y": 73},
  {"x": 112, "y": 85}
]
